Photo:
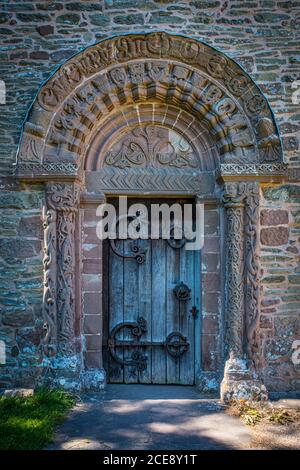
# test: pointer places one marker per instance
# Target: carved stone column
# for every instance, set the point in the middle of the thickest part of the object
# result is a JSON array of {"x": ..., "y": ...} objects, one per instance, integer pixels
[
  {"x": 49, "y": 296},
  {"x": 63, "y": 362},
  {"x": 233, "y": 200},
  {"x": 63, "y": 198},
  {"x": 241, "y": 201}
]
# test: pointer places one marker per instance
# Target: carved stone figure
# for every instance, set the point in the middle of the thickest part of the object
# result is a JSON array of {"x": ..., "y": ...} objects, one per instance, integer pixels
[{"x": 269, "y": 141}]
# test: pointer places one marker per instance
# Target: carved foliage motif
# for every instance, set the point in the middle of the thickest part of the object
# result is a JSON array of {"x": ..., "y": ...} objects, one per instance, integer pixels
[{"x": 151, "y": 146}]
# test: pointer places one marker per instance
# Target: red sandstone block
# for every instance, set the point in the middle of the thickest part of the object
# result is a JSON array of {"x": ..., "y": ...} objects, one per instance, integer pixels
[
  {"x": 211, "y": 282},
  {"x": 210, "y": 324},
  {"x": 211, "y": 302},
  {"x": 92, "y": 324},
  {"x": 91, "y": 250},
  {"x": 90, "y": 235},
  {"x": 92, "y": 266},
  {"x": 210, "y": 355},
  {"x": 274, "y": 236},
  {"x": 211, "y": 244},
  {"x": 274, "y": 217},
  {"x": 92, "y": 303},
  {"x": 91, "y": 282},
  {"x": 89, "y": 216},
  {"x": 93, "y": 342},
  {"x": 93, "y": 359}
]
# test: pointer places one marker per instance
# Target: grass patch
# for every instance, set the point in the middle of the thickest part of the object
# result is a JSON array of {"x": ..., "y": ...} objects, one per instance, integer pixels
[{"x": 29, "y": 423}]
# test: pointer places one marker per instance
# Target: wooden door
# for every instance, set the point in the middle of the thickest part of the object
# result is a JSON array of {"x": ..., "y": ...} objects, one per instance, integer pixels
[{"x": 151, "y": 311}]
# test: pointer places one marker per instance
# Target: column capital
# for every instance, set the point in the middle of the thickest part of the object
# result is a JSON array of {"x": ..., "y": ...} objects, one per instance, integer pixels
[
  {"x": 62, "y": 196},
  {"x": 237, "y": 193}
]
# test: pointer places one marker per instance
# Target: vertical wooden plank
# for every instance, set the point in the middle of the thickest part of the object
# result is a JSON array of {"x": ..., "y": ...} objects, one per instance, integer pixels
[
  {"x": 186, "y": 317},
  {"x": 172, "y": 308},
  {"x": 116, "y": 301},
  {"x": 131, "y": 308},
  {"x": 158, "y": 310},
  {"x": 198, "y": 304},
  {"x": 144, "y": 287}
]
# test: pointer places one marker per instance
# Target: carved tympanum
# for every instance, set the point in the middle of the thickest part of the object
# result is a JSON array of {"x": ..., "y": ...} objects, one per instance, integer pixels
[{"x": 151, "y": 146}]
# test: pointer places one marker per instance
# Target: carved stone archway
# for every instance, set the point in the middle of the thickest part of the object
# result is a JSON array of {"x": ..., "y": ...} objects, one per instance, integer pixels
[{"x": 80, "y": 122}]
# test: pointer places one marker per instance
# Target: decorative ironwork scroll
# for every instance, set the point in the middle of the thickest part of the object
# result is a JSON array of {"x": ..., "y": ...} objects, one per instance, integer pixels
[
  {"x": 136, "y": 252},
  {"x": 176, "y": 344}
]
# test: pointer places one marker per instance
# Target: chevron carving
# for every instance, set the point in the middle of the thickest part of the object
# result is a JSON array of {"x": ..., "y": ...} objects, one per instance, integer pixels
[{"x": 144, "y": 179}]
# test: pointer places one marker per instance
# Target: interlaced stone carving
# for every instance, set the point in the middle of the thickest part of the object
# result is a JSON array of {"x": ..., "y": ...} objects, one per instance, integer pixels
[
  {"x": 50, "y": 271},
  {"x": 151, "y": 146},
  {"x": 62, "y": 202},
  {"x": 252, "y": 284},
  {"x": 242, "y": 268},
  {"x": 235, "y": 169},
  {"x": 233, "y": 199}
]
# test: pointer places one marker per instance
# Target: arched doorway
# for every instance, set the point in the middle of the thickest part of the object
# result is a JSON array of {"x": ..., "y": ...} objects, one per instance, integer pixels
[{"x": 103, "y": 125}]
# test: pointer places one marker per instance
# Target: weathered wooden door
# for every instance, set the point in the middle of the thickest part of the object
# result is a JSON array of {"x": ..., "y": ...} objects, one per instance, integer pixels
[{"x": 151, "y": 311}]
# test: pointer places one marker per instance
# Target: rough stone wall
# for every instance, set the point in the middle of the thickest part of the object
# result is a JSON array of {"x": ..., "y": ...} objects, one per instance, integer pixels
[
  {"x": 262, "y": 35},
  {"x": 21, "y": 282}
]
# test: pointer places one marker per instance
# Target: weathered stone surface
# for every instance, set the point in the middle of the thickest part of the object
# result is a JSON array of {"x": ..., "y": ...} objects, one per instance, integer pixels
[
  {"x": 39, "y": 55},
  {"x": 69, "y": 18},
  {"x": 284, "y": 193},
  {"x": 17, "y": 318},
  {"x": 31, "y": 227},
  {"x": 99, "y": 19},
  {"x": 129, "y": 19},
  {"x": 10, "y": 248},
  {"x": 240, "y": 382},
  {"x": 274, "y": 217},
  {"x": 93, "y": 380},
  {"x": 274, "y": 236},
  {"x": 19, "y": 200},
  {"x": 33, "y": 17},
  {"x": 45, "y": 30}
]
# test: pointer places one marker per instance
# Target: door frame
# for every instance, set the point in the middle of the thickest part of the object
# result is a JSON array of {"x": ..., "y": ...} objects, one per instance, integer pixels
[{"x": 106, "y": 286}]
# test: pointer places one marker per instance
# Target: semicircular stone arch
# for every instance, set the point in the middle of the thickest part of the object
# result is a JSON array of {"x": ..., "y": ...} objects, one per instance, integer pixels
[{"x": 156, "y": 69}]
